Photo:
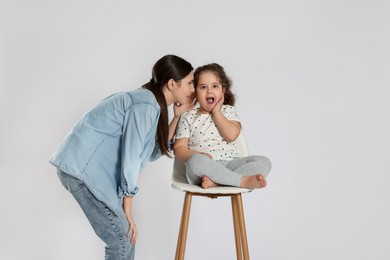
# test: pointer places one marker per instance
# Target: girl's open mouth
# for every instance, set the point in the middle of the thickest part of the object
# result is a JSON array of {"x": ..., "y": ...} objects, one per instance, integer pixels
[{"x": 210, "y": 100}]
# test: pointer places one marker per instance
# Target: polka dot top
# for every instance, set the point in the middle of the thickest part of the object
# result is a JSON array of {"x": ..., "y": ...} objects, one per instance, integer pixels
[{"x": 203, "y": 134}]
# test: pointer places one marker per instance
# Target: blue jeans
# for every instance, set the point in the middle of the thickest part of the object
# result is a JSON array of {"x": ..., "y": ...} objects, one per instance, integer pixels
[{"x": 111, "y": 228}]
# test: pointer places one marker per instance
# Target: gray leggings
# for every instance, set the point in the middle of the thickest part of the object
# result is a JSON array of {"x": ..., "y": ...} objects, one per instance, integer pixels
[{"x": 225, "y": 172}]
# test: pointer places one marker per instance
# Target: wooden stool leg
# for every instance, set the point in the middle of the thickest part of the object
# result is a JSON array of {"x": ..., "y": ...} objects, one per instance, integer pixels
[
  {"x": 185, "y": 216},
  {"x": 236, "y": 222},
  {"x": 179, "y": 237},
  {"x": 242, "y": 227}
]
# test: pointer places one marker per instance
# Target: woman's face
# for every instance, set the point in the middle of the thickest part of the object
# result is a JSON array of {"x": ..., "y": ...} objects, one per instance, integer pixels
[
  {"x": 185, "y": 89},
  {"x": 208, "y": 91}
]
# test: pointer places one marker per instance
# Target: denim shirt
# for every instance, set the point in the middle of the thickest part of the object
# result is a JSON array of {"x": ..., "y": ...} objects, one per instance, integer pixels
[{"x": 110, "y": 144}]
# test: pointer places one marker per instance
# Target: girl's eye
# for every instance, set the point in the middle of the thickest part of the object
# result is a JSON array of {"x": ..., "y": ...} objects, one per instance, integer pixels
[{"x": 215, "y": 86}]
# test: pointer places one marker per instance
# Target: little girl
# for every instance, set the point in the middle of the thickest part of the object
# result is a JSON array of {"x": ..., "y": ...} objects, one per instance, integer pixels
[{"x": 205, "y": 137}]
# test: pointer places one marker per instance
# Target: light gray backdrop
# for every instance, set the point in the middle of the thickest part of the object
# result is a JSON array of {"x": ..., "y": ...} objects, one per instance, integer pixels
[{"x": 312, "y": 80}]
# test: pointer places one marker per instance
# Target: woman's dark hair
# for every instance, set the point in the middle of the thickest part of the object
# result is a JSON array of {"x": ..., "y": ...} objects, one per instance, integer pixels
[
  {"x": 219, "y": 72},
  {"x": 167, "y": 68}
]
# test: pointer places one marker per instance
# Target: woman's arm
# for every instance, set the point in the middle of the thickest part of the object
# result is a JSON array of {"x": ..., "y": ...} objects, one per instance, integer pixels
[
  {"x": 173, "y": 126},
  {"x": 127, "y": 205},
  {"x": 179, "y": 109}
]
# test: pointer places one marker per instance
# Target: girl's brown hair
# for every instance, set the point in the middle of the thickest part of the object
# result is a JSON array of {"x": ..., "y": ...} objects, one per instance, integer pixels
[
  {"x": 219, "y": 72},
  {"x": 166, "y": 68}
]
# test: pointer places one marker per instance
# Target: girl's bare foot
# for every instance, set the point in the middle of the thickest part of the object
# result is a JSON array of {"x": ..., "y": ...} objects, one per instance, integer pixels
[
  {"x": 207, "y": 183},
  {"x": 253, "y": 182}
]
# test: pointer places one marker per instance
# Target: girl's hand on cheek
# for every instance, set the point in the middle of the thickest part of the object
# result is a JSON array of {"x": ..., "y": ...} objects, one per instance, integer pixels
[{"x": 218, "y": 106}]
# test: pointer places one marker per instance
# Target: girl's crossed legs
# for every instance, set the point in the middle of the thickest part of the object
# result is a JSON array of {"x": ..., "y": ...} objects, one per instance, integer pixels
[{"x": 247, "y": 172}]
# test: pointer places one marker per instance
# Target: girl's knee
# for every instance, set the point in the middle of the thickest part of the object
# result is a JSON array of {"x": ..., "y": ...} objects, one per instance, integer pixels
[
  {"x": 195, "y": 162},
  {"x": 264, "y": 162},
  {"x": 196, "y": 159},
  {"x": 196, "y": 165},
  {"x": 267, "y": 164}
]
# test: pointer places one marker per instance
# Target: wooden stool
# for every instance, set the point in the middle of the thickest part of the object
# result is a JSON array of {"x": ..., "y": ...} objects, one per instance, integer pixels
[{"x": 179, "y": 181}]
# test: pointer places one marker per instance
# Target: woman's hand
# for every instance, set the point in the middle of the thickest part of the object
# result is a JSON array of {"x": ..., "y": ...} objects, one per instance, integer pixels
[
  {"x": 127, "y": 205},
  {"x": 132, "y": 230},
  {"x": 179, "y": 109}
]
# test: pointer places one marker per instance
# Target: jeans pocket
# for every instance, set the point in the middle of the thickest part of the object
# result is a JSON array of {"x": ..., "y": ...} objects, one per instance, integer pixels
[{"x": 76, "y": 187}]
